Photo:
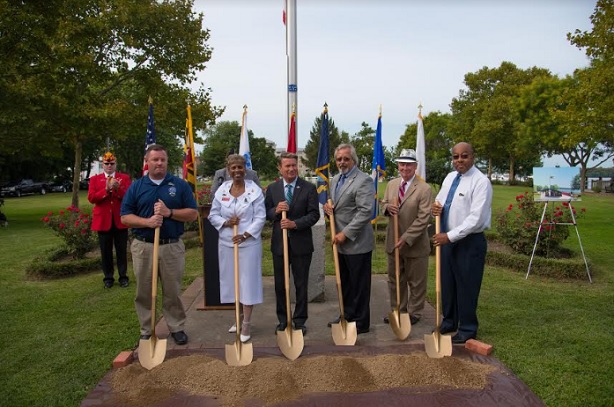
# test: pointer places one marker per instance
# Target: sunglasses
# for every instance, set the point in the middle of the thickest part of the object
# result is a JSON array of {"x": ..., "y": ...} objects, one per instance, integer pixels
[
  {"x": 109, "y": 163},
  {"x": 340, "y": 159},
  {"x": 464, "y": 156}
]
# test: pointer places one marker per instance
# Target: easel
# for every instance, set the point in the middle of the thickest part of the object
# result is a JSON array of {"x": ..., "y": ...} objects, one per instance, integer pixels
[{"x": 575, "y": 225}]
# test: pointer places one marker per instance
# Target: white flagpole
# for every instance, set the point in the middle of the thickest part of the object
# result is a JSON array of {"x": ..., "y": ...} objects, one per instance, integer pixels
[{"x": 291, "y": 60}]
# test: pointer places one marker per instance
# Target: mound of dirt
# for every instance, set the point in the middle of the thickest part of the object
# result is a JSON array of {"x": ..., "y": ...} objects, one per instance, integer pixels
[{"x": 273, "y": 380}]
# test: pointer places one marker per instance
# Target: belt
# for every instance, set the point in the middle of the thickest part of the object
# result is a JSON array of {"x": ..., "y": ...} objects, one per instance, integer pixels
[{"x": 162, "y": 241}]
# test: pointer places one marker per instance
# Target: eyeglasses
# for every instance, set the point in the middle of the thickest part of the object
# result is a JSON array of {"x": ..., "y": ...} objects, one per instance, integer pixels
[
  {"x": 108, "y": 163},
  {"x": 346, "y": 159},
  {"x": 464, "y": 156}
]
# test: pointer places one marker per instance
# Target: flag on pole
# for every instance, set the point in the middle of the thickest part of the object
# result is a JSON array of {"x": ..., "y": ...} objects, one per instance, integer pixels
[
  {"x": 323, "y": 163},
  {"x": 378, "y": 167},
  {"x": 189, "y": 171},
  {"x": 292, "y": 134},
  {"x": 420, "y": 148},
  {"x": 150, "y": 137},
  {"x": 244, "y": 141}
]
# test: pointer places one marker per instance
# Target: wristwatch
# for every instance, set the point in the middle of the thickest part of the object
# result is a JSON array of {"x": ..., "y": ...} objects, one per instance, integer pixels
[{"x": 245, "y": 236}]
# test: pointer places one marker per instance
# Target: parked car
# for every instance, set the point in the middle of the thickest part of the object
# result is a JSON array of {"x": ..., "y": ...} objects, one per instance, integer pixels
[
  {"x": 84, "y": 184},
  {"x": 23, "y": 187},
  {"x": 60, "y": 186}
]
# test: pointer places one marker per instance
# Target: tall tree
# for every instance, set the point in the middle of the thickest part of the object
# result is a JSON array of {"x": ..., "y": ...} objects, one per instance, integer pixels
[
  {"x": 64, "y": 60},
  {"x": 313, "y": 144},
  {"x": 484, "y": 115},
  {"x": 223, "y": 137}
]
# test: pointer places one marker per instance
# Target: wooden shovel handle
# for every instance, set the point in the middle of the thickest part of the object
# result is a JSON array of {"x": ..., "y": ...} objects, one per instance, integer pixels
[
  {"x": 437, "y": 276},
  {"x": 336, "y": 260},
  {"x": 397, "y": 261},
  {"x": 284, "y": 233},
  {"x": 235, "y": 231},
  {"x": 154, "y": 279}
]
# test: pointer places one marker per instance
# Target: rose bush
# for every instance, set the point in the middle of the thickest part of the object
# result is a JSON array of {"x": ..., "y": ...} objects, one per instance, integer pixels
[
  {"x": 518, "y": 224},
  {"x": 73, "y": 225},
  {"x": 204, "y": 195}
]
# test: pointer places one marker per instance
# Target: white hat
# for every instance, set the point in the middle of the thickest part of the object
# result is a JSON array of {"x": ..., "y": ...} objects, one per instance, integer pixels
[{"x": 407, "y": 156}]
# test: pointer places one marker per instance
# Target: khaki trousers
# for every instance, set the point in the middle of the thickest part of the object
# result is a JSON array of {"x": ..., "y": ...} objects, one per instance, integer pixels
[
  {"x": 413, "y": 277},
  {"x": 171, "y": 267}
]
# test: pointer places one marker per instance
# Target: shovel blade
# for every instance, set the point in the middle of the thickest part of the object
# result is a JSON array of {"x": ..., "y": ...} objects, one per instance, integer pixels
[
  {"x": 151, "y": 352},
  {"x": 290, "y": 342},
  {"x": 239, "y": 354},
  {"x": 344, "y": 333},
  {"x": 400, "y": 324},
  {"x": 438, "y": 346}
]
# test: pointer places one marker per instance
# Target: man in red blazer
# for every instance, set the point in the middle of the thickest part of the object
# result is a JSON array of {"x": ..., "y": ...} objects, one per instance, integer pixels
[{"x": 106, "y": 192}]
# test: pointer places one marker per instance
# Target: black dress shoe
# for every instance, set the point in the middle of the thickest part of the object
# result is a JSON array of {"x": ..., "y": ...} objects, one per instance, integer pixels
[
  {"x": 336, "y": 321},
  {"x": 302, "y": 328},
  {"x": 362, "y": 330},
  {"x": 459, "y": 339},
  {"x": 180, "y": 337},
  {"x": 145, "y": 337},
  {"x": 124, "y": 284},
  {"x": 414, "y": 320},
  {"x": 108, "y": 284},
  {"x": 386, "y": 320},
  {"x": 280, "y": 328},
  {"x": 446, "y": 329}
]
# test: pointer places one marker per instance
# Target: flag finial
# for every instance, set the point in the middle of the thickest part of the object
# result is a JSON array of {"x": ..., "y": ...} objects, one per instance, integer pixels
[
  {"x": 325, "y": 107},
  {"x": 420, "y": 108},
  {"x": 150, "y": 100}
]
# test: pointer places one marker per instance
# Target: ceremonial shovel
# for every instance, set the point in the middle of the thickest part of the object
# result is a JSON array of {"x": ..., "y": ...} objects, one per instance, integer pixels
[
  {"x": 436, "y": 344},
  {"x": 344, "y": 332},
  {"x": 238, "y": 353},
  {"x": 153, "y": 350},
  {"x": 290, "y": 341},
  {"x": 399, "y": 322}
]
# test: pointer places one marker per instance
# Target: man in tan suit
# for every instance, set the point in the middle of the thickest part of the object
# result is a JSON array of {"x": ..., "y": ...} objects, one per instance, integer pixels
[{"x": 409, "y": 197}]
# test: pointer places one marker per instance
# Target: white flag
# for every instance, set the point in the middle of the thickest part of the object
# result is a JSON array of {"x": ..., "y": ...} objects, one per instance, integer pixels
[
  {"x": 244, "y": 141},
  {"x": 420, "y": 150}
]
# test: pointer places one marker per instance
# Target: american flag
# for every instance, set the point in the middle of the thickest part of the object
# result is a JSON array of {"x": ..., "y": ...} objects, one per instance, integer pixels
[{"x": 150, "y": 137}]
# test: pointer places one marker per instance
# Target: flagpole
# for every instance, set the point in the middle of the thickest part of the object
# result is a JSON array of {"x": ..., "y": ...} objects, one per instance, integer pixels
[
  {"x": 191, "y": 151},
  {"x": 291, "y": 45}
]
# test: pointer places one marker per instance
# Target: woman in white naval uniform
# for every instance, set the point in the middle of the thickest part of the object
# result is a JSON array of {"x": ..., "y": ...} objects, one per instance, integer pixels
[{"x": 240, "y": 202}]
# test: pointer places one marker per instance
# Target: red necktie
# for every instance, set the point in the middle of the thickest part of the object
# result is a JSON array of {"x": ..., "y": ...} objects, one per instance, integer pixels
[{"x": 402, "y": 191}]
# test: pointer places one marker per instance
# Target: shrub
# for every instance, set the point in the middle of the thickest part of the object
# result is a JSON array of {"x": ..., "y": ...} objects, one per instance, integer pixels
[
  {"x": 73, "y": 225},
  {"x": 518, "y": 225}
]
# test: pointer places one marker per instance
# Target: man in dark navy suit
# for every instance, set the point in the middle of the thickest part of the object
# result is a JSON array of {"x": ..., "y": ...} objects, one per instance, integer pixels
[{"x": 300, "y": 201}]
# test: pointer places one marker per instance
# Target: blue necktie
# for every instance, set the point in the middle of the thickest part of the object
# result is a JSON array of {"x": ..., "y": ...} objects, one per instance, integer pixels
[
  {"x": 289, "y": 193},
  {"x": 340, "y": 184},
  {"x": 446, "y": 206}
]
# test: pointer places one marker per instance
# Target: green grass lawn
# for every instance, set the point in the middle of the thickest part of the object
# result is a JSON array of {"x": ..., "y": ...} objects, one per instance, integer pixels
[{"x": 60, "y": 336}]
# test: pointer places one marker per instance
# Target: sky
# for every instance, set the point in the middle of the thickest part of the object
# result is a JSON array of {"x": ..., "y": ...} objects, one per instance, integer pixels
[{"x": 358, "y": 55}]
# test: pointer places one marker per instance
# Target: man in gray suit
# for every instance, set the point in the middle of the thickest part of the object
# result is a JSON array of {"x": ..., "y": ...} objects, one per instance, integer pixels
[{"x": 352, "y": 194}]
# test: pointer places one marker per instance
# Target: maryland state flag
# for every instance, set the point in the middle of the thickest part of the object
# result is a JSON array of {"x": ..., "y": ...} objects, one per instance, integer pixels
[
  {"x": 323, "y": 164},
  {"x": 189, "y": 170},
  {"x": 378, "y": 167}
]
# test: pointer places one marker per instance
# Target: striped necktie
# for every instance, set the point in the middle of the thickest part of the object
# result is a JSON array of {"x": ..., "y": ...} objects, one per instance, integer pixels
[
  {"x": 402, "y": 191},
  {"x": 289, "y": 193}
]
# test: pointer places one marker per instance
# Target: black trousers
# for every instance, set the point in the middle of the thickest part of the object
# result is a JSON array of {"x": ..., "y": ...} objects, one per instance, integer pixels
[
  {"x": 355, "y": 273},
  {"x": 300, "y": 271},
  {"x": 462, "y": 269},
  {"x": 118, "y": 238}
]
